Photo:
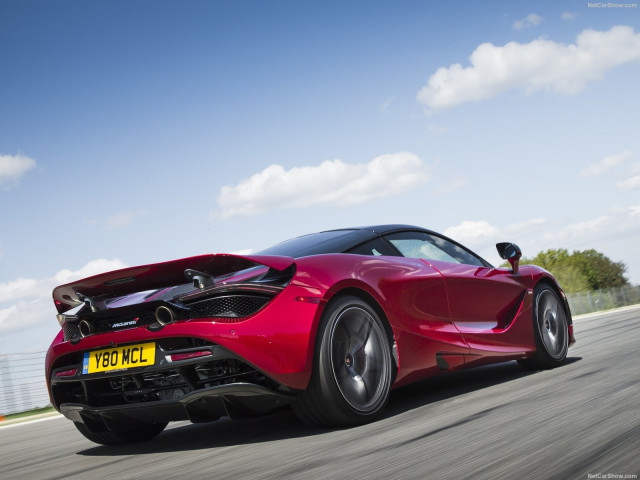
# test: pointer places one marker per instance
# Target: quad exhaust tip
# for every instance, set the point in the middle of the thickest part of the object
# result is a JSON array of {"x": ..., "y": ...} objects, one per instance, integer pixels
[
  {"x": 164, "y": 315},
  {"x": 85, "y": 328}
]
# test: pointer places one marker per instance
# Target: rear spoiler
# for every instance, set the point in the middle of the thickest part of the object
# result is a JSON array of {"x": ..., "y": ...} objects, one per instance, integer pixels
[{"x": 157, "y": 275}]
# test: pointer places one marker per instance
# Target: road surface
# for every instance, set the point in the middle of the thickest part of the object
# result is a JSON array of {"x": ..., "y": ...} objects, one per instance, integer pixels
[{"x": 581, "y": 421}]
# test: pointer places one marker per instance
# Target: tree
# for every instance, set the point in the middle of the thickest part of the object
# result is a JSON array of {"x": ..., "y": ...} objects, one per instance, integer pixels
[
  {"x": 600, "y": 271},
  {"x": 580, "y": 271}
]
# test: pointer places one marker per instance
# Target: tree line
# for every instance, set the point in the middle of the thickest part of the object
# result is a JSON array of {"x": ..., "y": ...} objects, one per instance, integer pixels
[{"x": 580, "y": 271}]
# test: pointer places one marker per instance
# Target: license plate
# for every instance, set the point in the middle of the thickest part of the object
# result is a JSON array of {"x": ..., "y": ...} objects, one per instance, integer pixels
[{"x": 119, "y": 358}]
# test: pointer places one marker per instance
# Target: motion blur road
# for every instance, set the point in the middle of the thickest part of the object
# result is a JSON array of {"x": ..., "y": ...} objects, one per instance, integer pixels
[{"x": 489, "y": 423}]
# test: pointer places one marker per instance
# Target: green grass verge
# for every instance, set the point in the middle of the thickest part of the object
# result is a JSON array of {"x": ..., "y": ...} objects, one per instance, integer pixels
[{"x": 29, "y": 413}]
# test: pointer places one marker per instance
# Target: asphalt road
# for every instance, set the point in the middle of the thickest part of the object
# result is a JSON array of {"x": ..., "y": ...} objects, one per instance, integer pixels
[{"x": 489, "y": 423}]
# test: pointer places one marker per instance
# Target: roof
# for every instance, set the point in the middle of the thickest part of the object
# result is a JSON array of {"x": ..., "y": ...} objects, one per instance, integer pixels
[{"x": 383, "y": 229}]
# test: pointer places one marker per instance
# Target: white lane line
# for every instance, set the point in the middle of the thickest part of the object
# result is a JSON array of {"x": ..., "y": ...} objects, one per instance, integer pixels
[
  {"x": 29, "y": 422},
  {"x": 588, "y": 316}
]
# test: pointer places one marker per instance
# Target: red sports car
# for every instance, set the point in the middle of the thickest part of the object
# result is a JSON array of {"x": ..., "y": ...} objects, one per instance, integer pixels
[{"x": 326, "y": 324}]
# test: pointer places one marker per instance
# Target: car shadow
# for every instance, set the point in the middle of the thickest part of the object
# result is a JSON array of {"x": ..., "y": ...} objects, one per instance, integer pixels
[
  {"x": 285, "y": 425},
  {"x": 453, "y": 384}
]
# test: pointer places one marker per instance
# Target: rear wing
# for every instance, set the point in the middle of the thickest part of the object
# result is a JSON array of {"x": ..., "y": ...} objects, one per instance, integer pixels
[{"x": 157, "y": 275}]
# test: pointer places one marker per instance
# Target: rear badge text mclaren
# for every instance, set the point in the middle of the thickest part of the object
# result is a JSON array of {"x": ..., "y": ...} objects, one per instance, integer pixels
[{"x": 130, "y": 323}]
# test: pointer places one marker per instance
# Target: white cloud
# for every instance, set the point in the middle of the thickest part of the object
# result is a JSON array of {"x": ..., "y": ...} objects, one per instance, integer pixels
[
  {"x": 532, "y": 20},
  {"x": 582, "y": 230},
  {"x": 537, "y": 65},
  {"x": 20, "y": 288},
  {"x": 246, "y": 251},
  {"x": 606, "y": 164},
  {"x": 29, "y": 300},
  {"x": 477, "y": 234},
  {"x": 526, "y": 227},
  {"x": 333, "y": 183},
  {"x": 568, "y": 15},
  {"x": 472, "y": 233},
  {"x": 616, "y": 234},
  {"x": 619, "y": 224},
  {"x": 13, "y": 168},
  {"x": 6, "y": 313},
  {"x": 94, "y": 267},
  {"x": 122, "y": 219},
  {"x": 25, "y": 315},
  {"x": 632, "y": 183}
]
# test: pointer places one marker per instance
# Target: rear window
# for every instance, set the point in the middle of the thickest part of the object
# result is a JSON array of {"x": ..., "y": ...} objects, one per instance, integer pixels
[
  {"x": 334, "y": 241},
  {"x": 375, "y": 247}
]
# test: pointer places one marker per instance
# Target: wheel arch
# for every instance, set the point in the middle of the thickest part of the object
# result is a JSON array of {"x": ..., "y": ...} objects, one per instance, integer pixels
[
  {"x": 370, "y": 300},
  {"x": 551, "y": 283},
  {"x": 323, "y": 403}
]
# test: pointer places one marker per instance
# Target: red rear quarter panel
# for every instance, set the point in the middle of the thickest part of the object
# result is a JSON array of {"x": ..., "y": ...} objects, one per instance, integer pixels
[{"x": 411, "y": 294}]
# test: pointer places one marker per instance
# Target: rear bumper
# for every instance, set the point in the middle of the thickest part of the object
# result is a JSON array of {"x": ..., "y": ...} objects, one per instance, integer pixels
[
  {"x": 208, "y": 383},
  {"x": 233, "y": 400}
]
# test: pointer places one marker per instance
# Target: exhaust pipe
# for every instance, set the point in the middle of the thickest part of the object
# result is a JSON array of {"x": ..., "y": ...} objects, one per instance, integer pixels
[
  {"x": 85, "y": 328},
  {"x": 164, "y": 315}
]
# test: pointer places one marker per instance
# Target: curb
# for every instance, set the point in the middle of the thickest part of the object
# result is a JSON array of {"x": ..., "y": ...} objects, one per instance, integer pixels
[{"x": 6, "y": 423}]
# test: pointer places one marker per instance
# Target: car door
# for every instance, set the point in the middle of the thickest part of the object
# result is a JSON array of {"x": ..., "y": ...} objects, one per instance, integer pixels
[
  {"x": 483, "y": 301},
  {"x": 419, "y": 305}
]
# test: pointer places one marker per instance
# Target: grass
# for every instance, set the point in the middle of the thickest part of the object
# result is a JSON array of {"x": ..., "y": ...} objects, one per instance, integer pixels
[{"x": 28, "y": 413}]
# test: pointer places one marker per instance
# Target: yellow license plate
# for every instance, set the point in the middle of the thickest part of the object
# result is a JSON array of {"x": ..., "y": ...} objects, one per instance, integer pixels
[{"x": 119, "y": 358}]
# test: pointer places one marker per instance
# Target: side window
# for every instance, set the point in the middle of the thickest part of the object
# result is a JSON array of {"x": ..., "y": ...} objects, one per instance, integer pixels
[
  {"x": 431, "y": 247},
  {"x": 374, "y": 247}
]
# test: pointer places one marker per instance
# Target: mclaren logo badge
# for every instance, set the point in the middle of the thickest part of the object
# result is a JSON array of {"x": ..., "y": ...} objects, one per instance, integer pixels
[{"x": 130, "y": 323}]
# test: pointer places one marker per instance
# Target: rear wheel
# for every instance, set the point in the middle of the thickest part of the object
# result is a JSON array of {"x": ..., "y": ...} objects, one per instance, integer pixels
[
  {"x": 551, "y": 330},
  {"x": 123, "y": 436},
  {"x": 352, "y": 371}
]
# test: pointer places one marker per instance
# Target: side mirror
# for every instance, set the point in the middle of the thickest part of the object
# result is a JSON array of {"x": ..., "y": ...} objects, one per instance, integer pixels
[{"x": 510, "y": 252}]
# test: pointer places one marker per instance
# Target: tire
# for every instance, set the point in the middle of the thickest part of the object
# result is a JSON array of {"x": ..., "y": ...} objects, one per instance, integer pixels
[
  {"x": 550, "y": 330},
  {"x": 122, "y": 437},
  {"x": 352, "y": 371}
]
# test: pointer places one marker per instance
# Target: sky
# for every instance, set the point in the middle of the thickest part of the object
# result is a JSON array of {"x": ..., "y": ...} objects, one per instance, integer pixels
[{"x": 139, "y": 132}]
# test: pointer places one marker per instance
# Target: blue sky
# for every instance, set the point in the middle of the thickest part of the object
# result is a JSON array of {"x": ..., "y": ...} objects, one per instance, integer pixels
[{"x": 137, "y": 132}]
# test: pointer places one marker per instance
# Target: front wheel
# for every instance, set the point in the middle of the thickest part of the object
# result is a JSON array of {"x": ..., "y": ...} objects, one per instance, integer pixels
[
  {"x": 352, "y": 370},
  {"x": 550, "y": 329},
  {"x": 121, "y": 437}
]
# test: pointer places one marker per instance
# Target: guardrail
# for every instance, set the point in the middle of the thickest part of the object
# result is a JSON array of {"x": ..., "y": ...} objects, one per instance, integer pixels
[
  {"x": 22, "y": 379},
  {"x": 22, "y": 382},
  {"x": 598, "y": 300}
]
